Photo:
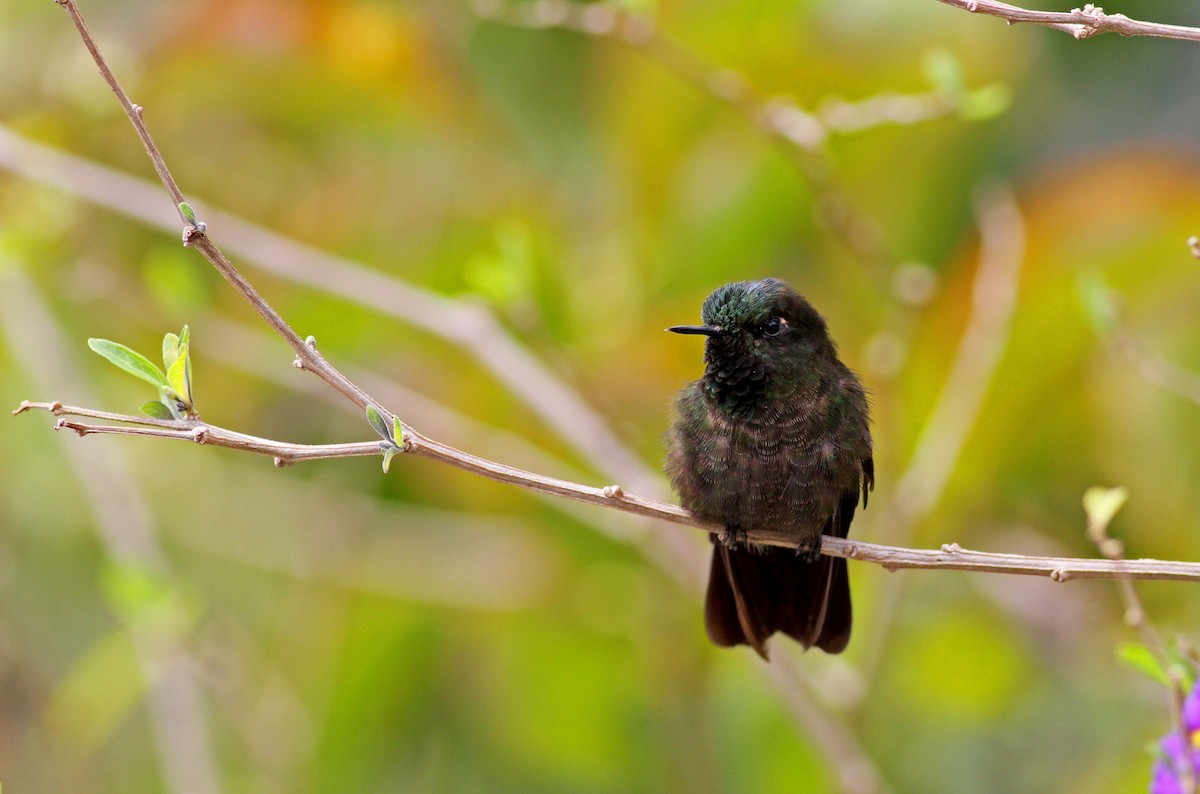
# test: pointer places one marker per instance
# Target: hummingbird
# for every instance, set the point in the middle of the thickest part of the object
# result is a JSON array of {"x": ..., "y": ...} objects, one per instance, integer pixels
[{"x": 775, "y": 435}]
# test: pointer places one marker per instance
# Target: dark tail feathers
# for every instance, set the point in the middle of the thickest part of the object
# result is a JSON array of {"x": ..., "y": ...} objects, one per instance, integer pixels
[{"x": 753, "y": 594}]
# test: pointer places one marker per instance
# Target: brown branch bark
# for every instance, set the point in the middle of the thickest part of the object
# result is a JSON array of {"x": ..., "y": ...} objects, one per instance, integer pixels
[{"x": 1082, "y": 23}]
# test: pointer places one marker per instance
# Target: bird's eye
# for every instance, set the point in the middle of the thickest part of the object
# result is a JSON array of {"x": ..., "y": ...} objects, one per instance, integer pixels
[{"x": 773, "y": 327}]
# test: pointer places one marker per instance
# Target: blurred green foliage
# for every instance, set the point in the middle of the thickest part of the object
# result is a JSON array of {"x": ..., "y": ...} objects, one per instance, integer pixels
[{"x": 432, "y": 631}]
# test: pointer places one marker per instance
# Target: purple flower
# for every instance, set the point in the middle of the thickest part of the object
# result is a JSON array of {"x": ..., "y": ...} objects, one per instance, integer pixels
[
  {"x": 1191, "y": 711},
  {"x": 1163, "y": 780},
  {"x": 1179, "y": 759}
]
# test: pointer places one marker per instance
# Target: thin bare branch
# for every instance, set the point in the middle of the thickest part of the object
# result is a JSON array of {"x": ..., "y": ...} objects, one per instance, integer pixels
[
  {"x": 283, "y": 453},
  {"x": 58, "y": 409},
  {"x": 949, "y": 557},
  {"x": 1082, "y": 23}
]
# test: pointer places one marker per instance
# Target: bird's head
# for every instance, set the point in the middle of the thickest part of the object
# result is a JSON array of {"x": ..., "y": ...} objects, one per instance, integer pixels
[{"x": 762, "y": 339}]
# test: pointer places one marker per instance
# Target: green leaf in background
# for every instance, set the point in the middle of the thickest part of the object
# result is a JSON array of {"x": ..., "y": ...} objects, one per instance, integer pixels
[
  {"x": 130, "y": 360},
  {"x": 177, "y": 376},
  {"x": 133, "y": 589},
  {"x": 157, "y": 410},
  {"x": 97, "y": 694},
  {"x": 1138, "y": 657},
  {"x": 508, "y": 274},
  {"x": 985, "y": 103},
  {"x": 376, "y": 420},
  {"x": 1101, "y": 504},
  {"x": 177, "y": 286}
]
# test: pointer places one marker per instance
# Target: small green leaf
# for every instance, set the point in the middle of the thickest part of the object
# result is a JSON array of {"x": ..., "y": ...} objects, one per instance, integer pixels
[
  {"x": 1138, "y": 657},
  {"x": 168, "y": 398},
  {"x": 157, "y": 410},
  {"x": 397, "y": 432},
  {"x": 1101, "y": 504},
  {"x": 177, "y": 376},
  {"x": 170, "y": 350},
  {"x": 389, "y": 452},
  {"x": 377, "y": 422},
  {"x": 129, "y": 360},
  {"x": 187, "y": 212}
]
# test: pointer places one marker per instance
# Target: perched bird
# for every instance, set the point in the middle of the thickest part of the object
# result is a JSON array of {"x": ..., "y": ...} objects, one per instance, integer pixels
[{"x": 774, "y": 436}]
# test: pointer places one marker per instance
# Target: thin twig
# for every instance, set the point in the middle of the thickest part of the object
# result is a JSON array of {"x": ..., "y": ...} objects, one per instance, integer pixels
[
  {"x": 197, "y": 432},
  {"x": 1082, "y": 23},
  {"x": 950, "y": 556}
]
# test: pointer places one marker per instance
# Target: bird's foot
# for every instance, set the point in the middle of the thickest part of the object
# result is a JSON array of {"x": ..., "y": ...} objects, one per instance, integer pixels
[
  {"x": 810, "y": 552},
  {"x": 732, "y": 536}
]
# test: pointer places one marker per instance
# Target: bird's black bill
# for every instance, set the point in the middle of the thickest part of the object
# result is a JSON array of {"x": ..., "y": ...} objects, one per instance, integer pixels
[{"x": 705, "y": 330}]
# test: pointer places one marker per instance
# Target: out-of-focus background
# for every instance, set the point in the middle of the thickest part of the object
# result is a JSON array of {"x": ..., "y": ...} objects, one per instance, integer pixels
[{"x": 518, "y": 214}]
